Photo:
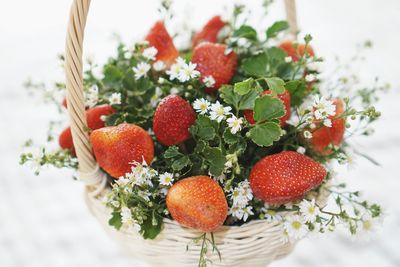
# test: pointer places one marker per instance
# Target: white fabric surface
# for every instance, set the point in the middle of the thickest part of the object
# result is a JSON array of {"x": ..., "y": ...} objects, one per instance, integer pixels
[{"x": 44, "y": 221}]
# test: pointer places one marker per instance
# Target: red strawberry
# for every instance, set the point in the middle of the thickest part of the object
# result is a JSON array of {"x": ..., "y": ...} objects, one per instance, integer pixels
[
  {"x": 172, "y": 120},
  {"x": 94, "y": 116},
  {"x": 160, "y": 39},
  {"x": 296, "y": 52},
  {"x": 212, "y": 61},
  {"x": 285, "y": 97},
  {"x": 116, "y": 147},
  {"x": 285, "y": 177},
  {"x": 64, "y": 103},
  {"x": 198, "y": 202},
  {"x": 210, "y": 31},
  {"x": 94, "y": 121},
  {"x": 324, "y": 136},
  {"x": 65, "y": 140}
]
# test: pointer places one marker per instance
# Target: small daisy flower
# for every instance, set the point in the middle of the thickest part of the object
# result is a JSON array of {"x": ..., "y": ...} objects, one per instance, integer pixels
[
  {"x": 310, "y": 78},
  {"x": 295, "y": 227},
  {"x": 150, "y": 53},
  {"x": 272, "y": 216},
  {"x": 209, "y": 81},
  {"x": 323, "y": 108},
  {"x": 235, "y": 124},
  {"x": 103, "y": 117},
  {"x": 159, "y": 65},
  {"x": 367, "y": 224},
  {"x": 188, "y": 72},
  {"x": 307, "y": 134},
  {"x": 327, "y": 123},
  {"x": 126, "y": 215},
  {"x": 141, "y": 70},
  {"x": 247, "y": 212},
  {"x": 219, "y": 112},
  {"x": 115, "y": 99},
  {"x": 161, "y": 80},
  {"x": 288, "y": 59},
  {"x": 166, "y": 179},
  {"x": 201, "y": 105},
  {"x": 92, "y": 96},
  {"x": 174, "y": 91},
  {"x": 175, "y": 69},
  {"x": 309, "y": 210},
  {"x": 301, "y": 150},
  {"x": 155, "y": 99}
]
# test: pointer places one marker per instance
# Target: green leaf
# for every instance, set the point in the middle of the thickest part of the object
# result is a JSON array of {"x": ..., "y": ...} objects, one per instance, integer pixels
[
  {"x": 215, "y": 159},
  {"x": 172, "y": 152},
  {"x": 276, "y": 85},
  {"x": 229, "y": 137},
  {"x": 112, "y": 74},
  {"x": 247, "y": 32},
  {"x": 268, "y": 108},
  {"x": 243, "y": 87},
  {"x": 266, "y": 134},
  {"x": 181, "y": 163},
  {"x": 276, "y": 28},
  {"x": 151, "y": 227},
  {"x": 228, "y": 95},
  {"x": 298, "y": 91},
  {"x": 204, "y": 128},
  {"x": 256, "y": 66},
  {"x": 247, "y": 101},
  {"x": 115, "y": 220}
]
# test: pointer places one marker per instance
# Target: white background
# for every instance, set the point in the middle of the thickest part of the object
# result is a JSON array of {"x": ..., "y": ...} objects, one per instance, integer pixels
[{"x": 43, "y": 220}]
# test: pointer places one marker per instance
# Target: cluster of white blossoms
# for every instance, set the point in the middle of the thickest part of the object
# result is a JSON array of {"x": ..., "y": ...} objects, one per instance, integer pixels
[
  {"x": 92, "y": 96},
  {"x": 219, "y": 113},
  {"x": 241, "y": 195},
  {"x": 115, "y": 99},
  {"x": 128, "y": 221},
  {"x": 141, "y": 70},
  {"x": 183, "y": 71}
]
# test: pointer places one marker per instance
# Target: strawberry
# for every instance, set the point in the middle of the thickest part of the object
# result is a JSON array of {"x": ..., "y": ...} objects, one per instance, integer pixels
[
  {"x": 198, "y": 202},
  {"x": 65, "y": 140},
  {"x": 295, "y": 52},
  {"x": 212, "y": 61},
  {"x": 116, "y": 147},
  {"x": 94, "y": 121},
  {"x": 285, "y": 177},
  {"x": 64, "y": 103},
  {"x": 323, "y": 136},
  {"x": 162, "y": 41},
  {"x": 210, "y": 31},
  {"x": 285, "y": 98},
  {"x": 172, "y": 120},
  {"x": 94, "y": 116}
]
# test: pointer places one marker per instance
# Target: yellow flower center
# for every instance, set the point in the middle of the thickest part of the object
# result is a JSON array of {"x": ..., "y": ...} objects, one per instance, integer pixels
[{"x": 296, "y": 225}]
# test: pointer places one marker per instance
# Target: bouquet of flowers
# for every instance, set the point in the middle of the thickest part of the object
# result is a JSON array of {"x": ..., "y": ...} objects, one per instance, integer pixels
[{"x": 239, "y": 126}]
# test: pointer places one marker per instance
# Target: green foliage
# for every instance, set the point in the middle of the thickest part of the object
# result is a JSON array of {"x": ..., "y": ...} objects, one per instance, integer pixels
[
  {"x": 266, "y": 134},
  {"x": 276, "y": 28},
  {"x": 268, "y": 108}
]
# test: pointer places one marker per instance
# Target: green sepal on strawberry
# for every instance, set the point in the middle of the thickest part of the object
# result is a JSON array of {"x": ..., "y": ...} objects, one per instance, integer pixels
[
  {"x": 285, "y": 177},
  {"x": 172, "y": 120}
]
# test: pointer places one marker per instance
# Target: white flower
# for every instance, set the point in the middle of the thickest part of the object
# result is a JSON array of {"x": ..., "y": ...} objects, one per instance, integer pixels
[
  {"x": 323, "y": 108},
  {"x": 159, "y": 65},
  {"x": 327, "y": 123},
  {"x": 247, "y": 212},
  {"x": 115, "y": 99},
  {"x": 201, "y": 105},
  {"x": 235, "y": 124},
  {"x": 155, "y": 99},
  {"x": 295, "y": 227},
  {"x": 309, "y": 210},
  {"x": 166, "y": 179},
  {"x": 163, "y": 191},
  {"x": 122, "y": 181},
  {"x": 175, "y": 70},
  {"x": 288, "y": 59},
  {"x": 150, "y": 53},
  {"x": 92, "y": 96},
  {"x": 272, "y": 216},
  {"x": 188, "y": 72},
  {"x": 301, "y": 150},
  {"x": 161, "y": 80},
  {"x": 310, "y": 78},
  {"x": 128, "y": 221},
  {"x": 307, "y": 134},
  {"x": 141, "y": 70},
  {"x": 209, "y": 81},
  {"x": 174, "y": 91},
  {"x": 219, "y": 112},
  {"x": 367, "y": 224}
]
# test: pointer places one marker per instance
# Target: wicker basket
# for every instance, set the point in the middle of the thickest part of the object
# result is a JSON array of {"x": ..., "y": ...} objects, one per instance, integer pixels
[{"x": 253, "y": 244}]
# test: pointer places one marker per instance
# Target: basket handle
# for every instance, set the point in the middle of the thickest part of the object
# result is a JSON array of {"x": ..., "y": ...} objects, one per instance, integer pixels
[{"x": 89, "y": 171}]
